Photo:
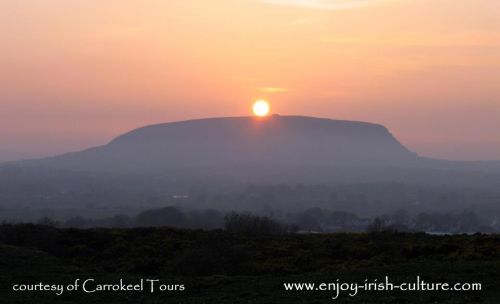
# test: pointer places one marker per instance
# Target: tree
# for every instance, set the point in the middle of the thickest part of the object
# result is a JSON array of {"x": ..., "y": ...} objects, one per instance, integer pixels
[
  {"x": 251, "y": 224},
  {"x": 378, "y": 225},
  {"x": 169, "y": 217}
]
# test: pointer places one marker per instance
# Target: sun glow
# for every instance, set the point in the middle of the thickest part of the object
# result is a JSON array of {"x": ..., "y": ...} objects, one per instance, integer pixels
[{"x": 261, "y": 108}]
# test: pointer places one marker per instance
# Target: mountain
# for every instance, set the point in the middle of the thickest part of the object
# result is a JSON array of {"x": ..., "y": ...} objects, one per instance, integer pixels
[
  {"x": 275, "y": 149},
  {"x": 242, "y": 142},
  {"x": 248, "y": 163}
]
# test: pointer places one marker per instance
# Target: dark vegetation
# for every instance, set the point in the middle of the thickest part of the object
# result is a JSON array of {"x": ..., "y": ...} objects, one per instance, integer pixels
[
  {"x": 197, "y": 252},
  {"x": 240, "y": 267},
  {"x": 246, "y": 223},
  {"x": 313, "y": 220}
]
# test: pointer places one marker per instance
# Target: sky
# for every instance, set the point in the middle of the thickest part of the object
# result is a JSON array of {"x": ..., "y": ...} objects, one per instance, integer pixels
[{"x": 75, "y": 74}]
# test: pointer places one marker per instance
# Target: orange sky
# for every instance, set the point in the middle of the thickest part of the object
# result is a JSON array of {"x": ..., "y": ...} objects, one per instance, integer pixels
[{"x": 74, "y": 74}]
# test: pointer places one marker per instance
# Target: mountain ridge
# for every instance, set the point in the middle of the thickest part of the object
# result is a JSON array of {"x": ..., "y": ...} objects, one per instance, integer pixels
[
  {"x": 223, "y": 152},
  {"x": 272, "y": 146},
  {"x": 239, "y": 141}
]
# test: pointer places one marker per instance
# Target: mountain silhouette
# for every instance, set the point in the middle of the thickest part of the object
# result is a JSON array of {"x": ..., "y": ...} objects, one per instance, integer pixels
[
  {"x": 243, "y": 142},
  {"x": 225, "y": 155}
]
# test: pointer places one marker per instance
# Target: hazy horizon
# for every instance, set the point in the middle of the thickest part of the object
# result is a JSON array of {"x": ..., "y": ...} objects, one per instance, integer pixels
[
  {"x": 59, "y": 148},
  {"x": 76, "y": 74}
]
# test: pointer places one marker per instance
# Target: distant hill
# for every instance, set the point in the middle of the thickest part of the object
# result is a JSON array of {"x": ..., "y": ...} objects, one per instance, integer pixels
[
  {"x": 243, "y": 142},
  {"x": 210, "y": 162}
]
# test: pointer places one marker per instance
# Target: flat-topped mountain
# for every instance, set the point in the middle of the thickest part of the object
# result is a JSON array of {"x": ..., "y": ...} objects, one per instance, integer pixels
[
  {"x": 199, "y": 159},
  {"x": 280, "y": 141}
]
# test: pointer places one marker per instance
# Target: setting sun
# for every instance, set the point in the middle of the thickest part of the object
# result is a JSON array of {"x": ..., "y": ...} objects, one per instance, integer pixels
[{"x": 261, "y": 108}]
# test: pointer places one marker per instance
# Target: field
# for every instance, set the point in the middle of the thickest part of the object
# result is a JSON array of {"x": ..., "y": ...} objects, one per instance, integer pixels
[{"x": 222, "y": 267}]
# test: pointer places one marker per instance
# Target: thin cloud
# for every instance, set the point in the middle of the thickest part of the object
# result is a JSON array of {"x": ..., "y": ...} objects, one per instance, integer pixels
[
  {"x": 328, "y": 4},
  {"x": 273, "y": 90}
]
